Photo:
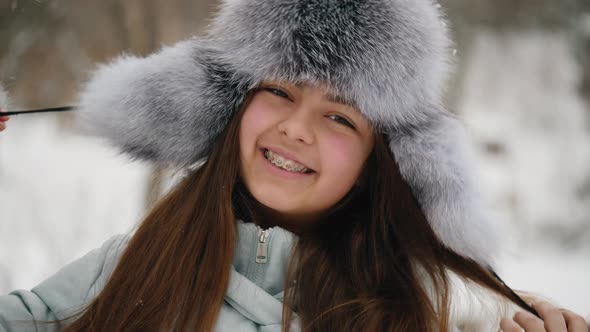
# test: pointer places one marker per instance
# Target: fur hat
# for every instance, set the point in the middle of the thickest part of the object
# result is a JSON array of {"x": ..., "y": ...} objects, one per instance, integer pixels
[{"x": 390, "y": 58}]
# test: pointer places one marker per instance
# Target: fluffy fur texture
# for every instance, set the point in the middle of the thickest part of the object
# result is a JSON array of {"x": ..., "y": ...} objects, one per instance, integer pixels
[{"x": 390, "y": 58}]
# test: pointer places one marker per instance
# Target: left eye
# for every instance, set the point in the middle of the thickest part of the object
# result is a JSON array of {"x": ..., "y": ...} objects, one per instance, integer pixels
[
  {"x": 341, "y": 120},
  {"x": 277, "y": 92}
]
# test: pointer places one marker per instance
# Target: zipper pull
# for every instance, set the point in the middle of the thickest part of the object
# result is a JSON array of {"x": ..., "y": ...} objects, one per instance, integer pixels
[{"x": 261, "y": 249}]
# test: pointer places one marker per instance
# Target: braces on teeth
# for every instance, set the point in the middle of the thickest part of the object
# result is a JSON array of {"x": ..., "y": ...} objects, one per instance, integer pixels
[{"x": 284, "y": 164}]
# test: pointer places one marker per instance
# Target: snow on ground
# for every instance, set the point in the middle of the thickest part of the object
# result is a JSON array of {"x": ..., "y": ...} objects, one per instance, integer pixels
[
  {"x": 521, "y": 94},
  {"x": 60, "y": 196},
  {"x": 520, "y": 102},
  {"x": 562, "y": 278}
]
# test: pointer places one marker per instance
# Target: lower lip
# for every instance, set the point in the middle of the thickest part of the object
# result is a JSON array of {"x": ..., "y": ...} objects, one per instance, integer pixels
[{"x": 281, "y": 172}]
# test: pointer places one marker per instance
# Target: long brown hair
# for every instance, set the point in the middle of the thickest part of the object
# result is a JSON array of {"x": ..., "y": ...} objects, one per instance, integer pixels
[
  {"x": 376, "y": 264},
  {"x": 362, "y": 268},
  {"x": 174, "y": 272}
]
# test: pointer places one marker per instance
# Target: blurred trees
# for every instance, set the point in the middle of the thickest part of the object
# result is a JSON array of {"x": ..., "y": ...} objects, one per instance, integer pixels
[
  {"x": 48, "y": 47},
  {"x": 502, "y": 14},
  {"x": 567, "y": 20},
  {"x": 571, "y": 17}
]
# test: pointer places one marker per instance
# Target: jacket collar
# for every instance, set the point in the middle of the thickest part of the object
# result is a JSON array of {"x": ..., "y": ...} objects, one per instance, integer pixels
[{"x": 256, "y": 288}]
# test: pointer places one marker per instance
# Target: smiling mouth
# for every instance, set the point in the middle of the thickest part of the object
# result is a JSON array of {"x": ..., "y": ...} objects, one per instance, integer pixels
[{"x": 289, "y": 166}]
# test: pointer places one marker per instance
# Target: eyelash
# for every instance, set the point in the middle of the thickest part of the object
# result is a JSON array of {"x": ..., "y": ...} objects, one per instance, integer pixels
[
  {"x": 283, "y": 94},
  {"x": 280, "y": 93},
  {"x": 345, "y": 122}
]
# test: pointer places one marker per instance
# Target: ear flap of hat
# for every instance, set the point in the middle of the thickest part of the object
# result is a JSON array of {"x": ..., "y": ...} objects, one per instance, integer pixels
[
  {"x": 168, "y": 107},
  {"x": 434, "y": 160}
]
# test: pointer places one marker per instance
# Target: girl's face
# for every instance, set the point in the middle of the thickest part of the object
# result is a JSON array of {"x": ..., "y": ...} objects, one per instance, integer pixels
[{"x": 317, "y": 146}]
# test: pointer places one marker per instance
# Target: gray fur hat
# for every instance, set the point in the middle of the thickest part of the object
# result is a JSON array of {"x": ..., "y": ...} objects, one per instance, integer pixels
[{"x": 390, "y": 58}]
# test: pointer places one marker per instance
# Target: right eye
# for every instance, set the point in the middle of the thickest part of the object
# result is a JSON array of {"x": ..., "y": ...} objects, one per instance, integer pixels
[{"x": 277, "y": 92}]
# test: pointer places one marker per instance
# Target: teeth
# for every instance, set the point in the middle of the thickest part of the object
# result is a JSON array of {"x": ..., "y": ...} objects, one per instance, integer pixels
[{"x": 284, "y": 163}]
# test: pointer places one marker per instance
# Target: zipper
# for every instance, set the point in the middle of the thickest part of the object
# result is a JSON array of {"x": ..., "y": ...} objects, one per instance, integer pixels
[{"x": 261, "y": 248}]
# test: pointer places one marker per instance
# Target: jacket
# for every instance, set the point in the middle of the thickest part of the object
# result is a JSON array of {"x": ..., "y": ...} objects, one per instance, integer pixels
[{"x": 253, "y": 301}]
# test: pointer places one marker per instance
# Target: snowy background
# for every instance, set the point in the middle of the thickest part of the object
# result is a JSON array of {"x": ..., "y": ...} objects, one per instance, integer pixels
[{"x": 522, "y": 89}]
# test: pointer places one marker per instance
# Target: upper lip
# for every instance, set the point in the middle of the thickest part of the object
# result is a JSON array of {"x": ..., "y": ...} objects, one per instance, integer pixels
[{"x": 287, "y": 155}]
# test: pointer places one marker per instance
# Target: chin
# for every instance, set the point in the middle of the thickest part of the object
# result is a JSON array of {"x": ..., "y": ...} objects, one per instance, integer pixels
[{"x": 276, "y": 202}]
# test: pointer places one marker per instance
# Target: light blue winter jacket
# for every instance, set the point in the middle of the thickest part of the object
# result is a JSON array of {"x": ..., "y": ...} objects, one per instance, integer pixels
[{"x": 253, "y": 301}]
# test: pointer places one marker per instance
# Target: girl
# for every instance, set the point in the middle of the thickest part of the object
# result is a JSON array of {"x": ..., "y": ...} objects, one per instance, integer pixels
[{"x": 332, "y": 192}]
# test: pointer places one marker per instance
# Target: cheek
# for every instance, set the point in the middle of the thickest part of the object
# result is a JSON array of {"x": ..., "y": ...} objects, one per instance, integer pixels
[
  {"x": 343, "y": 158},
  {"x": 257, "y": 118}
]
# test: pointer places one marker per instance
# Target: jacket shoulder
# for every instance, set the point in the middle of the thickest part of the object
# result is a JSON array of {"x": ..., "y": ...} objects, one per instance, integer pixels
[
  {"x": 64, "y": 293},
  {"x": 80, "y": 281}
]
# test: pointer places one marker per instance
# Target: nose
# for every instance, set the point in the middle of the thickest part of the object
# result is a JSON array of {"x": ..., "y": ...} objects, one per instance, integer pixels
[{"x": 298, "y": 126}]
